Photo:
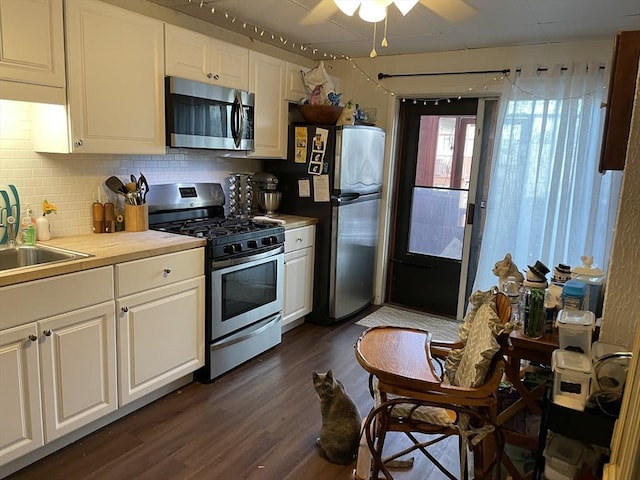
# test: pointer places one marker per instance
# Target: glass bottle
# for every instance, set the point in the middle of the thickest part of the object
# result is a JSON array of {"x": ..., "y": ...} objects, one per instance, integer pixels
[
  {"x": 532, "y": 312},
  {"x": 512, "y": 289}
]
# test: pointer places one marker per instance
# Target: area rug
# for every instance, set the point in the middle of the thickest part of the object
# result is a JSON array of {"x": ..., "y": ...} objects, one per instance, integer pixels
[{"x": 440, "y": 328}]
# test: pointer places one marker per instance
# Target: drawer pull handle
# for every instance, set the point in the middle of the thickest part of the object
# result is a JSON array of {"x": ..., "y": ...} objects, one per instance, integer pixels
[
  {"x": 299, "y": 239},
  {"x": 167, "y": 271},
  {"x": 48, "y": 332},
  {"x": 33, "y": 338},
  {"x": 125, "y": 309}
]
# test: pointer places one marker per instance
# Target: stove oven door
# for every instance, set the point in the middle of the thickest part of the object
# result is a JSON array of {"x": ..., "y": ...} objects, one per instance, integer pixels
[{"x": 245, "y": 292}]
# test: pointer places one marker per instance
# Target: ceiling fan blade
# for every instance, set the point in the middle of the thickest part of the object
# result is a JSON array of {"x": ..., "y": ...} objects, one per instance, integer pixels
[
  {"x": 451, "y": 10},
  {"x": 320, "y": 13}
]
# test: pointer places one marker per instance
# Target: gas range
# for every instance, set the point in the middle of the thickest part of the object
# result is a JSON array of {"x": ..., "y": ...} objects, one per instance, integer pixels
[
  {"x": 197, "y": 210},
  {"x": 244, "y": 272}
]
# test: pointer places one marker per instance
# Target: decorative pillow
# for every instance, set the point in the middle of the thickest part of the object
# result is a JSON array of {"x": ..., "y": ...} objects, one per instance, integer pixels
[
  {"x": 479, "y": 349},
  {"x": 452, "y": 361},
  {"x": 468, "y": 366}
]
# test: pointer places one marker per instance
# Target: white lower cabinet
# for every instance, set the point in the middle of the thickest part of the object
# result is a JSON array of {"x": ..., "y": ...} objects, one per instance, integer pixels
[
  {"x": 298, "y": 275},
  {"x": 78, "y": 368},
  {"x": 57, "y": 372},
  {"x": 76, "y": 348},
  {"x": 20, "y": 400},
  {"x": 161, "y": 329}
]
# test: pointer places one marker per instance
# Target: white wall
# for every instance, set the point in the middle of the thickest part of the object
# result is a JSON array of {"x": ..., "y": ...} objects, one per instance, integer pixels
[{"x": 71, "y": 182}]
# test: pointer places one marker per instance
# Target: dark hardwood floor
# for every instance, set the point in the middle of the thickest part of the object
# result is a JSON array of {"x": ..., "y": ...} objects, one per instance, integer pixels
[{"x": 259, "y": 421}]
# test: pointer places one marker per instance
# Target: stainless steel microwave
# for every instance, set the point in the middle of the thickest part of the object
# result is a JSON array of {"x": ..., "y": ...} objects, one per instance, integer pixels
[{"x": 199, "y": 115}]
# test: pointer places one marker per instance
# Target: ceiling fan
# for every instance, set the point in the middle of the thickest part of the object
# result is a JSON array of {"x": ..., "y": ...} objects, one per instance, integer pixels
[{"x": 451, "y": 10}]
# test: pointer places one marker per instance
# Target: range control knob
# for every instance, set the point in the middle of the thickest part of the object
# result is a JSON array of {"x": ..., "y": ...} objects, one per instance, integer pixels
[
  {"x": 228, "y": 249},
  {"x": 237, "y": 247},
  {"x": 267, "y": 241},
  {"x": 252, "y": 244}
]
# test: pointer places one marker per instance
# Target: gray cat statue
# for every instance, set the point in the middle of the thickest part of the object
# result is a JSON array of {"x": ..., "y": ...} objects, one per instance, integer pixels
[{"x": 340, "y": 432}]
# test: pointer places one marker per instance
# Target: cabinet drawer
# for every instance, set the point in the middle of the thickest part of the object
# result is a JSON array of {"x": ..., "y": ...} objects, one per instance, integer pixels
[
  {"x": 31, "y": 301},
  {"x": 138, "y": 275},
  {"x": 299, "y": 238}
]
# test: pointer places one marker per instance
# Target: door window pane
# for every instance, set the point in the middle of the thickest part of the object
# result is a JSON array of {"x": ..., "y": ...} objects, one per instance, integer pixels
[
  {"x": 445, "y": 150},
  {"x": 437, "y": 222}
]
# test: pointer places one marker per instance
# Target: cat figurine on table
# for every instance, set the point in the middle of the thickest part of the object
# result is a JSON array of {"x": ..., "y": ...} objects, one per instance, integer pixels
[
  {"x": 504, "y": 269},
  {"x": 340, "y": 432}
]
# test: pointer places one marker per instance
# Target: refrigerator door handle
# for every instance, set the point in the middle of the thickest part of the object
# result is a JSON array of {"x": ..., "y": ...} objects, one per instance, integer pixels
[{"x": 347, "y": 197}]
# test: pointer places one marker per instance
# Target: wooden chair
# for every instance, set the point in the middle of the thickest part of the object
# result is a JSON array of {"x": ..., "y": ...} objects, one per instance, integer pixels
[{"x": 412, "y": 397}]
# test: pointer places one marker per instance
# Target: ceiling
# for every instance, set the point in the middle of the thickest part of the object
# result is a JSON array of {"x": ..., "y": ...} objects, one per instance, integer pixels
[{"x": 316, "y": 28}]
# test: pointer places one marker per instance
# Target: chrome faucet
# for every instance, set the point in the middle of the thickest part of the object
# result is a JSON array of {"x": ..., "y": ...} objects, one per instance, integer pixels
[{"x": 11, "y": 232}]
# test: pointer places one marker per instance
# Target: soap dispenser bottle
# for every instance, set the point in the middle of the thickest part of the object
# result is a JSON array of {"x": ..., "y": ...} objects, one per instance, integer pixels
[{"x": 28, "y": 228}]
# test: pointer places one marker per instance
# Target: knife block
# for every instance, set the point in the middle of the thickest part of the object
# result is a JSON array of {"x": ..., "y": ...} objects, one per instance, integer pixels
[{"x": 136, "y": 218}]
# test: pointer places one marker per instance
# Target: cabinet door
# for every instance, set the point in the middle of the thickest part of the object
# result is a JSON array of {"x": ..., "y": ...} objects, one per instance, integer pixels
[
  {"x": 20, "y": 410},
  {"x": 229, "y": 65},
  {"x": 188, "y": 54},
  {"x": 160, "y": 337},
  {"x": 115, "y": 64},
  {"x": 622, "y": 87},
  {"x": 31, "y": 41},
  {"x": 295, "y": 84},
  {"x": 298, "y": 289},
  {"x": 78, "y": 368},
  {"x": 267, "y": 81}
]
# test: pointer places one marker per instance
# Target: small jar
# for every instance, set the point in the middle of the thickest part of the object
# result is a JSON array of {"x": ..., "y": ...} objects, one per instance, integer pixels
[{"x": 532, "y": 312}]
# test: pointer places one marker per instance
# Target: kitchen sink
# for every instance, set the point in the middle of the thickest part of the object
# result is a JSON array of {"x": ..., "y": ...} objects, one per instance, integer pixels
[{"x": 34, "y": 255}]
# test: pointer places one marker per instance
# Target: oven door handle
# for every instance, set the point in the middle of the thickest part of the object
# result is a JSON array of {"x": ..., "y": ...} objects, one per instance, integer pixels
[
  {"x": 218, "y": 265},
  {"x": 253, "y": 330}
]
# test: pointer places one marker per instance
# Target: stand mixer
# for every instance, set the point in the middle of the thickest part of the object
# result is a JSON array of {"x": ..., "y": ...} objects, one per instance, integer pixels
[{"x": 266, "y": 197}]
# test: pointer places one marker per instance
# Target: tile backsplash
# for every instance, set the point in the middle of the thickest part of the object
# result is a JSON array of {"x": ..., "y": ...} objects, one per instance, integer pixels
[{"x": 73, "y": 182}]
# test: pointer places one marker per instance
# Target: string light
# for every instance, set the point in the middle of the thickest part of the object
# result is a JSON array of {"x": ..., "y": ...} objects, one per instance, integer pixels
[
  {"x": 328, "y": 55},
  {"x": 436, "y": 101}
]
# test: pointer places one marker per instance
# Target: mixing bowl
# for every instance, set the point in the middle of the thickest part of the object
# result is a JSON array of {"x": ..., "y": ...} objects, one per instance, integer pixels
[{"x": 269, "y": 201}]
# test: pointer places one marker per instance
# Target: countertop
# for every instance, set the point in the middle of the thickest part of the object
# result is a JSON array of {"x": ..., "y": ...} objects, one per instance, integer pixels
[
  {"x": 106, "y": 249},
  {"x": 112, "y": 248},
  {"x": 289, "y": 221}
]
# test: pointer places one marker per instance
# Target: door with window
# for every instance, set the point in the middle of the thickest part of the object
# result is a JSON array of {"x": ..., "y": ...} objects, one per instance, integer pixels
[{"x": 444, "y": 152}]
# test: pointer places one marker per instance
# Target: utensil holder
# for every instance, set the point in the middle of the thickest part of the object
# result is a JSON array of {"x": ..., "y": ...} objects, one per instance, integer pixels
[{"x": 136, "y": 218}]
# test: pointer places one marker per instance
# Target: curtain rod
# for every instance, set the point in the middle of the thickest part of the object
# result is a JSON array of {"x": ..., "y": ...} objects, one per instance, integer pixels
[{"x": 505, "y": 71}]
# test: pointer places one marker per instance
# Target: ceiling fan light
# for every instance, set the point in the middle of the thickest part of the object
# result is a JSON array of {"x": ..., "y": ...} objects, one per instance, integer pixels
[
  {"x": 348, "y": 7},
  {"x": 405, "y": 5},
  {"x": 373, "y": 10}
]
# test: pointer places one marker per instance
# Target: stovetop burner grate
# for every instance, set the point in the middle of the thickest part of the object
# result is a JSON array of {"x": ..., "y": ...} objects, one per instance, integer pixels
[{"x": 197, "y": 210}]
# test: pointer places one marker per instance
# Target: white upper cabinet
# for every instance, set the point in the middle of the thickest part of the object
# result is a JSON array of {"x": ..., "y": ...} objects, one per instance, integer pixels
[
  {"x": 115, "y": 84},
  {"x": 267, "y": 81},
  {"x": 295, "y": 84},
  {"x": 32, "y": 50},
  {"x": 204, "y": 59}
]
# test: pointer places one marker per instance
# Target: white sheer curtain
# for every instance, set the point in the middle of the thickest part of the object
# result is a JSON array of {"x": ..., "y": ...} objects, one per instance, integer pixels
[{"x": 546, "y": 199}]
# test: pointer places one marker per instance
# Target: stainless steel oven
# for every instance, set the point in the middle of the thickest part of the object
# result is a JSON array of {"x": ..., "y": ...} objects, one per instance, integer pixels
[
  {"x": 246, "y": 301},
  {"x": 244, "y": 272},
  {"x": 246, "y": 289}
]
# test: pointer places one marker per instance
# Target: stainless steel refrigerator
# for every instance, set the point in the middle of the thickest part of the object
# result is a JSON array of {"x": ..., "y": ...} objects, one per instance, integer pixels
[{"x": 343, "y": 191}]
